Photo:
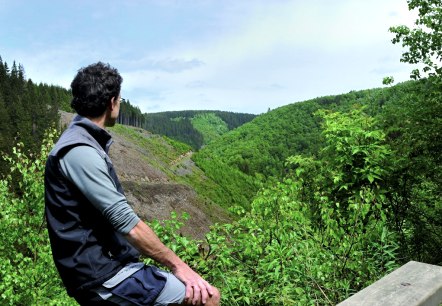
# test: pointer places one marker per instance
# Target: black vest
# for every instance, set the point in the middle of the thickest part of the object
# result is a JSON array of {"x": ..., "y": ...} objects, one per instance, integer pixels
[{"x": 85, "y": 247}]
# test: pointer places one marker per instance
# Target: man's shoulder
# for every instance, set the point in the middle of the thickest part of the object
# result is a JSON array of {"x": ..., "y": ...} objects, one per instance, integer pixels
[
  {"x": 75, "y": 136},
  {"x": 83, "y": 153},
  {"x": 83, "y": 161}
]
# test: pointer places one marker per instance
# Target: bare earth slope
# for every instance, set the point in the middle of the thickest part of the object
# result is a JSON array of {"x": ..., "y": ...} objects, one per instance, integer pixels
[{"x": 149, "y": 188}]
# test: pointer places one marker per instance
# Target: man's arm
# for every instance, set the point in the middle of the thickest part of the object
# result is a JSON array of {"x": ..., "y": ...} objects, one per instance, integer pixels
[
  {"x": 87, "y": 170},
  {"x": 148, "y": 243}
]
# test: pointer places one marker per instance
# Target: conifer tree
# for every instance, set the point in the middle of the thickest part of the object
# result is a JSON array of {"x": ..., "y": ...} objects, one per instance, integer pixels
[{"x": 26, "y": 109}]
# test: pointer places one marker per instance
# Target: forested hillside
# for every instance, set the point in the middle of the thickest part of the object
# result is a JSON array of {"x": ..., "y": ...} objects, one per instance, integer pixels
[
  {"x": 27, "y": 109},
  {"x": 262, "y": 146},
  {"x": 258, "y": 150},
  {"x": 196, "y": 128}
]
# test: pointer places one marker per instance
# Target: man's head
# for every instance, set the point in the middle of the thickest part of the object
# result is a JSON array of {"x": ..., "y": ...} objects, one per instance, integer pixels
[{"x": 93, "y": 88}]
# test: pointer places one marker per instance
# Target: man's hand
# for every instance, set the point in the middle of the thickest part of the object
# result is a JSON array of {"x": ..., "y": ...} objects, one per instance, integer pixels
[{"x": 198, "y": 291}]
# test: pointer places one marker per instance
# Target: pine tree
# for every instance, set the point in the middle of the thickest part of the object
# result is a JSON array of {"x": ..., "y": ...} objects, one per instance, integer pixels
[{"x": 5, "y": 134}]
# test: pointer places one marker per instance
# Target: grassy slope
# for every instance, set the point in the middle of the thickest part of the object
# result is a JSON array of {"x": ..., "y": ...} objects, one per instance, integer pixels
[{"x": 210, "y": 126}]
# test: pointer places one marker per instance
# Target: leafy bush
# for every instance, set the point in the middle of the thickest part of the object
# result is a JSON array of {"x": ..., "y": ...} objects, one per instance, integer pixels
[{"x": 27, "y": 272}]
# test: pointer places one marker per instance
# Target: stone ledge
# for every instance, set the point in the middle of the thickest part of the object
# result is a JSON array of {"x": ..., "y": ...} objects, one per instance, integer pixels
[{"x": 412, "y": 284}]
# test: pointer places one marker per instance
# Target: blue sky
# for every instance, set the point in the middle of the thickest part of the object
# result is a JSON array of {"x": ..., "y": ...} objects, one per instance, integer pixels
[{"x": 231, "y": 55}]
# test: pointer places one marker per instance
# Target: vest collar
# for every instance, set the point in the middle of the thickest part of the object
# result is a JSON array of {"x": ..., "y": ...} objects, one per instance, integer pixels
[{"x": 99, "y": 134}]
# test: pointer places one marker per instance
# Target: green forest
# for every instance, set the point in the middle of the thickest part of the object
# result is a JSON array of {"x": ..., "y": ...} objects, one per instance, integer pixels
[
  {"x": 326, "y": 195},
  {"x": 27, "y": 109},
  {"x": 196, "y": 128}
]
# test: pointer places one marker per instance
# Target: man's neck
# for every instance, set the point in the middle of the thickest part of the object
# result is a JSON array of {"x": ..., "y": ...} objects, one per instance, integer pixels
[{"x": 100, "y": 121}]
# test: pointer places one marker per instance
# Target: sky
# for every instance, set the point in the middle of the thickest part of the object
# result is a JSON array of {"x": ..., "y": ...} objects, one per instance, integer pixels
[{"x": 244, "y": 56}]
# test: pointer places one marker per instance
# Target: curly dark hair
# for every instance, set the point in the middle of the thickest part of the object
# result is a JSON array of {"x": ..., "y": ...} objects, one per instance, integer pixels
[{"x": 93, "y": 87}]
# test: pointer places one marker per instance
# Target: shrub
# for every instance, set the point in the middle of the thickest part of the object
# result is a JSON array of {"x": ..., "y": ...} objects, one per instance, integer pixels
[{"x": 27, "y": 272}]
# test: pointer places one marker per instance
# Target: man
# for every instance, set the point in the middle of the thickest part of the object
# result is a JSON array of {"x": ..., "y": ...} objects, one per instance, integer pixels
[{"x": 96, "y": 237}]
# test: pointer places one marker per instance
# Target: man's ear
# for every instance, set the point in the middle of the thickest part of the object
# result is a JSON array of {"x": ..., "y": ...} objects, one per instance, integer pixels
[{"x": 112, "y": 103}]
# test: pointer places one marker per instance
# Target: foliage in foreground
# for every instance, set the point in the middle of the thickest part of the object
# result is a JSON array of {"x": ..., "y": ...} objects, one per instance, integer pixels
[{"x": 27, "y": 272}]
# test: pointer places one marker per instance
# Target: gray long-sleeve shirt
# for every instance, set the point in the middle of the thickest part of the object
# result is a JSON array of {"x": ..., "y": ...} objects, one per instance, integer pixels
[{"x": 84, "y": 167}]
